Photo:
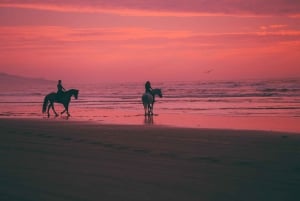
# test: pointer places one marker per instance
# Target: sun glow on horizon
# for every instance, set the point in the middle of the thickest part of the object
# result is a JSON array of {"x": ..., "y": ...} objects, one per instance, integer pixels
[{"x": 123, "y": 42}]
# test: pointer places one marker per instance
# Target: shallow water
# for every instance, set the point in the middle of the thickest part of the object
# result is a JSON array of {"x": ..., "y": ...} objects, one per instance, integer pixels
[{"x": 250, "y": 104}]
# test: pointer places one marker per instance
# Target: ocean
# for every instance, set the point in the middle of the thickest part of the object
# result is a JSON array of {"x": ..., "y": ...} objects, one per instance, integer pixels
[{"x": 248, "y": 104}]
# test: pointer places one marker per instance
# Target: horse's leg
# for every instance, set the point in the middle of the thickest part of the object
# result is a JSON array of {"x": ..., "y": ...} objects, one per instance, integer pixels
[
  {"x": 52, "y": 106},
  {"x": 152, "y": 105},
  {"x": 151, "y": 109},
  {"x": 68, "y": 111},
  {"x": 63, "y": 111},
  {"x": 145, "y": 108},
  {"x": 66, "y": 105},
  {"x": 48, "y": 110}
]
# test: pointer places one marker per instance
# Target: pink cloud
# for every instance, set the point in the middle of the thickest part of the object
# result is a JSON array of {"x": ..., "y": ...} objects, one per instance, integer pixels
[
  {"x": 167, "y": 7},
  {"x": 273, "y": 26},
  {"x": 60, "y": 37}
]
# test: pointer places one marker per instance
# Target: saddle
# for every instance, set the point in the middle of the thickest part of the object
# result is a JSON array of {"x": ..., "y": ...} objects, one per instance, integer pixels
[{"x": 59, "y": 95}]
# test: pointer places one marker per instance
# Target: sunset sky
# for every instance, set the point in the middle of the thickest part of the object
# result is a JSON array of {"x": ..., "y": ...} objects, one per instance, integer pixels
[{"x": 136, "y": 40}]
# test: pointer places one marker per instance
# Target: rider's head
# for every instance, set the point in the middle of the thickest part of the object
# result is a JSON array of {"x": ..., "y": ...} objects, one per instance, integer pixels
[{"x": 59, "y": 81}]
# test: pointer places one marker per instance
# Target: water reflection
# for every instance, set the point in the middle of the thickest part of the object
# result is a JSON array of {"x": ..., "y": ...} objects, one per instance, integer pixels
[
  {"x": 65, "y": 117},
  {"x": 149, "y": 120}
]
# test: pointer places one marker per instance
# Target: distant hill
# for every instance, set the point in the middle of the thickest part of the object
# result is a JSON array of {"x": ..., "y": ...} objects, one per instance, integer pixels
[{"x": 12, "y": 80}]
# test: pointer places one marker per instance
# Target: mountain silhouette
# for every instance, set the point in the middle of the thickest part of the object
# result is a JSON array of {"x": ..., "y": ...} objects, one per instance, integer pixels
[{"x": 7, "y": 79}]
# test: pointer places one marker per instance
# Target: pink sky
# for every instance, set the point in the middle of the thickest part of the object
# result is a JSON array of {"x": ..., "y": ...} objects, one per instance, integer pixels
[{"x": 136, "y": 40}]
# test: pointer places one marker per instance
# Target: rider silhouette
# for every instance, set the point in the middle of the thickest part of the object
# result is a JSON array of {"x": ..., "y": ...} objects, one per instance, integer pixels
[
  {"x": 60, "y": 89},
  {"x": 148, "y": 89}
]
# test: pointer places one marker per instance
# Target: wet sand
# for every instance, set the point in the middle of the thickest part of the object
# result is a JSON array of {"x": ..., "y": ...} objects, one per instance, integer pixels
[{"x": 67, "y": 160}]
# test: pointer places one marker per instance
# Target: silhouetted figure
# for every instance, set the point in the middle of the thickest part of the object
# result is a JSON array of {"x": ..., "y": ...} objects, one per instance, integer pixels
[
  {"x": 60, "y": 90},
  {"x": 148, "y": 98},
  {"x": 148, "y": 89},
  {"x": 52, "y": 97}
]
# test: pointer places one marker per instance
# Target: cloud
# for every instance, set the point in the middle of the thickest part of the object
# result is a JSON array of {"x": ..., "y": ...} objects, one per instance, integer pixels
[
  {"x": 180, "y": 8},
  {"x": 273, "y": 26},
  {"x": 57, "y": 37}
]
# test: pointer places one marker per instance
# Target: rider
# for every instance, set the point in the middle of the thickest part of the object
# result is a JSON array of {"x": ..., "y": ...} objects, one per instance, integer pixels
[
  {"x": 60, "y": 89},
  {"x": 148, "y": 89}
]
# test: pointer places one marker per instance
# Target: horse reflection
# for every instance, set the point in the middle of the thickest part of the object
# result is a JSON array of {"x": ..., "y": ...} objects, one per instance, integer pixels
[{"x": 148, "y": 120}]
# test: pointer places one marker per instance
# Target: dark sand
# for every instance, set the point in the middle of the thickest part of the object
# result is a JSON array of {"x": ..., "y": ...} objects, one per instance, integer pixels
[{"x": 43, "y": 160}]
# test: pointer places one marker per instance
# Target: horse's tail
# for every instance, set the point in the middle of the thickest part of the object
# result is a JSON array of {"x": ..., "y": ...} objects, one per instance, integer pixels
[{"x": 45, "y": 104}]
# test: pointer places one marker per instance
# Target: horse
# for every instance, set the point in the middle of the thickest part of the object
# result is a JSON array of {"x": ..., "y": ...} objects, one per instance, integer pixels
[
  {"x": 64, "y": 99},
  {"x": 147, "y": 100}
]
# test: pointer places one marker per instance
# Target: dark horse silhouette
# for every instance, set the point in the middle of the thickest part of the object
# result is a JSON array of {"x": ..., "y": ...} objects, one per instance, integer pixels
[
  {"x": 148, "y": 102},
  {"x": 64, "y": 99}
]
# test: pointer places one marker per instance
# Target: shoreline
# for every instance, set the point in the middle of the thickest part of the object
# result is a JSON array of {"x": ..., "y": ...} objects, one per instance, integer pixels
[
  {"x": 274, "y": 124},
  {"x": 69, "y": 160},
  {"x": 131, "y": 126},
  {"x": 104, "y": 123}
]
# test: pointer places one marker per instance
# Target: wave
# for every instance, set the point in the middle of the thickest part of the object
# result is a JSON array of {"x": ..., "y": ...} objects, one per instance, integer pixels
[{"x": 251, "y": 96}]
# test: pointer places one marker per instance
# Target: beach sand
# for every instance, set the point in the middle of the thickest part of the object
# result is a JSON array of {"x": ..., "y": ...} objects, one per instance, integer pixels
[{"x": 43, "y": 160}]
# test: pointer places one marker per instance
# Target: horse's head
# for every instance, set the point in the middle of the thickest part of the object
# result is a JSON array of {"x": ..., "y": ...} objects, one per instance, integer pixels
[
  {"x": 158, "y": 92},
  {"x": 76, "y": 93}
]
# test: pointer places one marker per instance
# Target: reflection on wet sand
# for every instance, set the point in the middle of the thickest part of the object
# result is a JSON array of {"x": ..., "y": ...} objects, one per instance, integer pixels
[{"x": 148, "y": 120}]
